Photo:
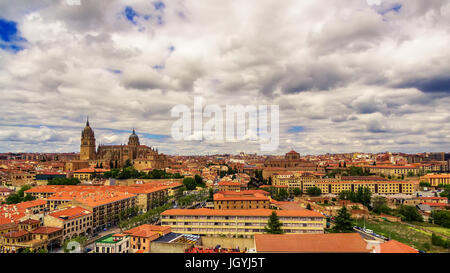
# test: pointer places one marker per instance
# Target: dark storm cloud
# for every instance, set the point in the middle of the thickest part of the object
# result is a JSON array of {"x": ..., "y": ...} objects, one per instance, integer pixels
[{"x": 432, "y": 85}]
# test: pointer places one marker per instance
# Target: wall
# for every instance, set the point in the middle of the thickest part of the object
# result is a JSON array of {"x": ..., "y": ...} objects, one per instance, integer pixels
[
  {"x": 242, "y": 243},
  {"x": 160, "y": 247}
]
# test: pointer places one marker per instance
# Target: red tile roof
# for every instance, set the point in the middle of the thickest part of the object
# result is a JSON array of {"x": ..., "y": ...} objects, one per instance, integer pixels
[
  {"x": 394, "y": 246},
  {"x": 46, "y": 230},
  {"x": 71, "y": 213},
  {"x": 15, "y": 234},
  {"x": 30, "y": 222},
  {"x": 311, "y": 243}
]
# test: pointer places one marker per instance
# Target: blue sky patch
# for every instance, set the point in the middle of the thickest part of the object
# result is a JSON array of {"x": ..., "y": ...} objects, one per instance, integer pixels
[
  {"x": 296, "y": 129},
  {"x": 159, "y": 5},
  {"x": 115, "y": 71},
  {"x": 395, "y": 7},
  {"x": 10, "y": 40},
  {"x": 130, "y": 14}
]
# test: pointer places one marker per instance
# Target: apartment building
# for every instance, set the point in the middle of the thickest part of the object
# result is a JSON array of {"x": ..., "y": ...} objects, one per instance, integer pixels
[
  {"x": 304, "y": 181},
  {"x": 229, "y": 186},
  {"x": 61, "y": 196},
  {"x": 113, "y": 243},
  {"x": 239, "y": 222},
  {"x": 250, "y": 199},
  {"x": 30, "y": 235},
  {"x": 393, "y": 170},
  {"x": 75, "y": 221},
  {"x": 143, "y": 235},
  {"x": 86, "y": 174},
  {"x": 106, "y": 207},
  {"x": 376, "y": 187},
  {"x": 436, "y": 179}
]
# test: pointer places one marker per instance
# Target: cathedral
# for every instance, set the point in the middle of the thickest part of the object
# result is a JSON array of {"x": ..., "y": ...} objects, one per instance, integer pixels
[{"x": 114, "y": 156}]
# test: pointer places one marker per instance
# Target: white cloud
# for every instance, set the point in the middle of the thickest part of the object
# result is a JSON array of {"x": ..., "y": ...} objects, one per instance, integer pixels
[{"x": 354, "y": 77}]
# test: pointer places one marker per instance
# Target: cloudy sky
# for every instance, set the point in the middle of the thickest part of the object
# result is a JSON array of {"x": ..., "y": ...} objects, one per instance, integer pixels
[{"x": 348, "y": 75}]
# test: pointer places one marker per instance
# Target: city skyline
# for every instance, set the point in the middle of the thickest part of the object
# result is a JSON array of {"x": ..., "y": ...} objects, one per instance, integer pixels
[{"x": 354, "y": 76}]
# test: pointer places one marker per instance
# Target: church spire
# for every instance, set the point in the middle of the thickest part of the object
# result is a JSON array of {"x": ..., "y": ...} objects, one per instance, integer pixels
[{"x": 87, "y": 121}]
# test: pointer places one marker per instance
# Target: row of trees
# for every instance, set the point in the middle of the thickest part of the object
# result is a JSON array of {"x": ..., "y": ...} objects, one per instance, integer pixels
[
  {"x": 192, "y": 183},
  {"x": 446, "y": 192},
  {"x": 277, "y": 193},
  {"x": 145, "y": 218},
  {"x": 64, "y": 181},
  {"x": 343, "y": 223},
  {"x": 362, "y": 195},
  {"x": 441, "y": 217},
  {"x": 129, "y": 172},
  {"x": 350, "y": 171}
]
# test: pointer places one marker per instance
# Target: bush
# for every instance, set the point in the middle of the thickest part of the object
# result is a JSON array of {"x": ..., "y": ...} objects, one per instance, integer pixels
[
  {"x": 189, "y": 183},
  {"x": 439, "y": 241},
  {"x": 441, "y": 217},
  {"x": 410, "y": 213},
  {"x": 314, "y": 191}
]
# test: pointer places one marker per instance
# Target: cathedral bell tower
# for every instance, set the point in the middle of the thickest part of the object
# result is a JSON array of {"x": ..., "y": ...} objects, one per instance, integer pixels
[{"x": 87, "y": 148}]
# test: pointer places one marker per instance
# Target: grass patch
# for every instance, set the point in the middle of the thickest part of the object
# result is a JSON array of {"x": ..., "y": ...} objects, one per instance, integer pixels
[{"x": 414, "y": 237}]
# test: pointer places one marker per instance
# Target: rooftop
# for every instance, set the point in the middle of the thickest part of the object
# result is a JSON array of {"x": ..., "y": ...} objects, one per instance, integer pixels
[
  {"x": 311, "y": 243},
  {"x": 394, "y": 246}
]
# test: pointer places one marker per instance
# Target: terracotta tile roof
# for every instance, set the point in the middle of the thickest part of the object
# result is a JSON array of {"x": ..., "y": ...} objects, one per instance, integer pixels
[
  {"x": 242, "y": 212},
  {"x": 30, "y": 222},
  {"x": 46, "y": 230},
  {"x": 91, "y": 170},
  {"x": 437, "y": 204},
  {"x": 71, "y": 213},
  {"x": 31, "y": 204},
  {"x": 149, "y": 231},
  {"x": 15, "y": 234},
  {"x": 433, "y": 198},
  {"x": 240, "y": 196},
  {"x": 5, "y": 189},
  {"x": 311, "y": 243},
  {"x": 394, "y": 246},
  {"x": 4, "y": 226},
  {"x": 228, "y": 183}
]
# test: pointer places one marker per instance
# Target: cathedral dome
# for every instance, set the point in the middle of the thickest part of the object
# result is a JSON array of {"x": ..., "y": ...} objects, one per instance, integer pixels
[
  {"x": 87, "y": 131},
  {"x": 133, "y": 139}
]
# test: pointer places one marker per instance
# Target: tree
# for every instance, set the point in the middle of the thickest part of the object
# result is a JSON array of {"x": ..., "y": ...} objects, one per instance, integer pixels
[
  {"x": 314, "y": 191},
  {"x": 20, "y": 196},
  {"x": 343, "y": 221},
  {"x": 282, "y": 194},
  {"x": 211, "y": 194},
  {"x": 441, "y": 217},
  {"x": 380, "y": 205},
  {"x": 128, "y": 163},
  {"x": 439, "y": 241},
  {"x": 297, "y": 191},
  {"x": 274, "y": 224},
  {"x": 424, "y": 184},
  {"x": 364, "y": 196},
  {"x": 64, "y": 181},
  {"x": 308, "y": 206},
  {"x": 446, "y": 192},
  {"x": 199, "y": 181},
  {"x": 410, "y": 213},
  {"x": 189, "y": 183}
]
